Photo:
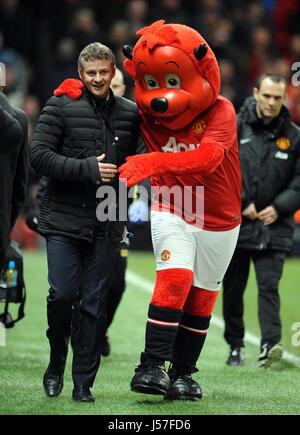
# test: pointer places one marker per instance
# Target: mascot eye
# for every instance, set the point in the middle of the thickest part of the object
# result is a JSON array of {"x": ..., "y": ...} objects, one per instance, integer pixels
[
  {"x": 172, "y": 81},
  {"x": 151, "y": 81}
]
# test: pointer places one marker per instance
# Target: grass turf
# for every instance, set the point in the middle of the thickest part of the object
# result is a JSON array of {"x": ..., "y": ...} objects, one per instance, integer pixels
[{"x": 243, "y": 390}]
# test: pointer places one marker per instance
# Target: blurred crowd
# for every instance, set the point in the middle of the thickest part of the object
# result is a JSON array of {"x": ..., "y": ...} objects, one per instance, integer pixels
[{"x": 40, "y": 41}]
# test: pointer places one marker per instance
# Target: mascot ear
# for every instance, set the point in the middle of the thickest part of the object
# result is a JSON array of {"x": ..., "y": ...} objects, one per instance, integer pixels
[
  {"x": 129, "y": 68},
  {"x": 128, "y": 64},
  {"x": 200, "y": 52}
]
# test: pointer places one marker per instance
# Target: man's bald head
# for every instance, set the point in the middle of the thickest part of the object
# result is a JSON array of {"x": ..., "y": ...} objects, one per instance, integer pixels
[{"x": 117, "y": 84}]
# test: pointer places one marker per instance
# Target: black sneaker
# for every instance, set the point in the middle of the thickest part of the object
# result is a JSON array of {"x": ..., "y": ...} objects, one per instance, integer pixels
[
  {"x": 236, "y": 357},
  {"x": 270, "y": 354},
  {"x": 150, "y": 378},
  {"x": 105, "y": 350},
  {"x": 183, "y": 387}
]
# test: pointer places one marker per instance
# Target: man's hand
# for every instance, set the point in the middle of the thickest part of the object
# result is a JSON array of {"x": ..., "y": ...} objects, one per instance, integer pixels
[
  {"x": 107, "y": 170},
  {"x": 268, "y": 215},
  {"x": 250, "y": 212}
]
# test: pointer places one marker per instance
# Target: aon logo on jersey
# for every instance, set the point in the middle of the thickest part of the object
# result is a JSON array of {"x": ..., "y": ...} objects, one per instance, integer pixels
[{"x": 173, "y": 147}]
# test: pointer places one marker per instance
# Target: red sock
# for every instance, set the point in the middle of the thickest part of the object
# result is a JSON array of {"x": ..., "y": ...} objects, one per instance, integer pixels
[
  {"x": 172, "y": 287},
  {"x": 201, "y": 302}
]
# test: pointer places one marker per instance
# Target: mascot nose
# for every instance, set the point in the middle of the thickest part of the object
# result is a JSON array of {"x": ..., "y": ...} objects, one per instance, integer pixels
[{"x": 159, "y": 104}]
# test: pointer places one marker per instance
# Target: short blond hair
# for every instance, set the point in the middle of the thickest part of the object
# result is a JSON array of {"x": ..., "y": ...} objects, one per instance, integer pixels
[{"x": 94, "y": 51}]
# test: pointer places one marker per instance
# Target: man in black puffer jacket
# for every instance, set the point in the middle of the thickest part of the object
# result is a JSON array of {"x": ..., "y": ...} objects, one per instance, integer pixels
[
  {"x": 83, "y": 135},
  {"x": 13, "y": 169},
  {"x": 269, "y": 147}
]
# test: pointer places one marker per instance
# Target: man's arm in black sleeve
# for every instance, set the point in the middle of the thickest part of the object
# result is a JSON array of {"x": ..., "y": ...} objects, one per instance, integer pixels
[
  {"x": 44, "y": 150},
  {"x": 32, "y": 216}
]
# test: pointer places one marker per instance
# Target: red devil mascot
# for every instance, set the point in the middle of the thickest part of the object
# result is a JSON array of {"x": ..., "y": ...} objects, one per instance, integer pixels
[{"x": 190, "y": 132}]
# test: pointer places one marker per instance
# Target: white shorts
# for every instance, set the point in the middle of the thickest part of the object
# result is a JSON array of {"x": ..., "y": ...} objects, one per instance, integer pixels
[{"x": 178, "y": 244}]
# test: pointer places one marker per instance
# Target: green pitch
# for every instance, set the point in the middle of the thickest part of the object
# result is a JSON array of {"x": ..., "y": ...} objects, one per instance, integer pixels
[{"x": 227, "y": 390}]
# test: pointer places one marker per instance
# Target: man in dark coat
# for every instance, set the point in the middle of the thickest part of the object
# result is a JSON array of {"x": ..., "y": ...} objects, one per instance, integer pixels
[
  {"x": 269, "y": 147},
  {"x": 83, "y": 135},
  {"x": 13, "y": 169}
]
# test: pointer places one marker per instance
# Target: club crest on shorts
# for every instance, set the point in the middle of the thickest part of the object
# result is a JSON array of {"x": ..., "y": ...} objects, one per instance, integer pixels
[{"x": 165, "y": 255}]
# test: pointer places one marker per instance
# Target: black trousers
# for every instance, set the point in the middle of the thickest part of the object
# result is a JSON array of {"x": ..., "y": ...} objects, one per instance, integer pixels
[
  {"x": 77, "y": 267},
  {"x": 117, "y": 286},
  {"x": 268, "y": 268},
  {"x": 115, "y": 293}
]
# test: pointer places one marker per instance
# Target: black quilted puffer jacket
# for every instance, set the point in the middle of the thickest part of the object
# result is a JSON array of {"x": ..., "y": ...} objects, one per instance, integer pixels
[
  {"x": 270, "y": 164},
  {"x": 68, "y": 137}
]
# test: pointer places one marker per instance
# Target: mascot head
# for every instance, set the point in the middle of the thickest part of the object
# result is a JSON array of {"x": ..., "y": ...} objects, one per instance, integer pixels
[{"x": 175, "y": 71}]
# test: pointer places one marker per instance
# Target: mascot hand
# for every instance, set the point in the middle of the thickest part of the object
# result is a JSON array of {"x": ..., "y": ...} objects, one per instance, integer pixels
[
  {"x": 203, "y": 160},
  {"x": 138, "y": 168},
  {"x": 70, "y": 87}
]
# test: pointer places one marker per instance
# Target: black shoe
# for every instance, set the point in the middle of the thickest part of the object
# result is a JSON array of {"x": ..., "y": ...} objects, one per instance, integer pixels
[
  {"x": 105, "y": 350},
  {"x": 82, "y": 394},
  {"x": 150, "y": 378},
  {"x": 53, "y": 383},
  {"x": 270, "y": 354},
  {"x": 236, "y": 357},
  {"x": 183, "y": 387}
]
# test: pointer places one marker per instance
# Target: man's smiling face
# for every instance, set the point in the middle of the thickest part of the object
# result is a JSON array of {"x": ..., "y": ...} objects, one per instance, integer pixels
[{"x": 97, "y": 76}]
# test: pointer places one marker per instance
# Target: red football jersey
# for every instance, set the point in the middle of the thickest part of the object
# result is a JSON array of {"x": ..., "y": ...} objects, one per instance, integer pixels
[{"x": 217, "y": 194}]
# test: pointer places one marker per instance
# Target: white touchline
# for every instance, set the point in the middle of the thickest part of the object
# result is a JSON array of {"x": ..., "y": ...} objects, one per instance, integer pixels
[{"x": 147, "y": 286}]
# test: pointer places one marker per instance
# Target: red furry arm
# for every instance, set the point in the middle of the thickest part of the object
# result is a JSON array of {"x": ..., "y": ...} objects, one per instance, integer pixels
[{"x": 204, "y": 160}]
